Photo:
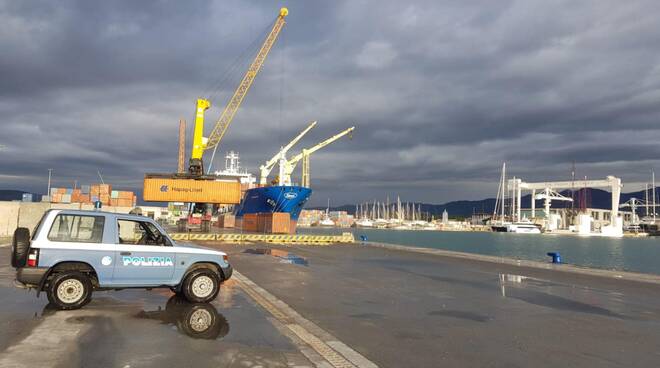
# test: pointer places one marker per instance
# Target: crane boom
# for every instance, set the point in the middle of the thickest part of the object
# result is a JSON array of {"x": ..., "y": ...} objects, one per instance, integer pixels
[
  {"x": 287, "y": 166},
  {"x": 230, "y": 110},
  {"x": 200, "y": 143},
  {"x": 266, "y": 168},
  {"x": 317, "y": 147}
]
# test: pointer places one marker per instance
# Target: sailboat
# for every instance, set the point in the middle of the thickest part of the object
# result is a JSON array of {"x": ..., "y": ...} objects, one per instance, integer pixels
[
  {"x": 363, "y": 220},
  {"x": 326, "y": 221},
  {"x": 499, "y": 222}
]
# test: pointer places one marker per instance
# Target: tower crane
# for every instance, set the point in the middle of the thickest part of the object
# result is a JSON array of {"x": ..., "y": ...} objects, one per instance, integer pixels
[
  {"x": 201, "y": 143},
  {"x": 266, "y": 168},
  {"x": 287, "y": 166}
]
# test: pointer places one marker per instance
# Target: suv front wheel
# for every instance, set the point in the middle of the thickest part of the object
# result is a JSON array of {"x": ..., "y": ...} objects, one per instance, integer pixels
[
  {"x": 201, "y": 286},
  {"x": 69, "y": 290}
]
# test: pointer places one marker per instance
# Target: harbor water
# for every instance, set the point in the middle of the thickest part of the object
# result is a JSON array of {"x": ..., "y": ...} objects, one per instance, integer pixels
[{"x": 623, "y": 254}]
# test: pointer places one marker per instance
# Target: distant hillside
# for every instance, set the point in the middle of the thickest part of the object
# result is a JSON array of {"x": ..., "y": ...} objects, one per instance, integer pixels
[
  {"x": 15, "y": 195},
  {"x": 595, "y": 198}
]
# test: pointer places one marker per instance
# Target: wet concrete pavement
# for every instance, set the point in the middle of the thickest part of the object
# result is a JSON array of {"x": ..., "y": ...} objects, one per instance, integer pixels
[
  {"x": 395, "y": 308},
  {"x": 402, "y": 309},
  {"x": 138, "y": 328}
]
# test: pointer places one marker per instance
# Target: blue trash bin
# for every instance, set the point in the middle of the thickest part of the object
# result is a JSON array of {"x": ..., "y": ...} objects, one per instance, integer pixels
[
  {"x": 556, "y": 257},
  {"x": 363, "y": 238},
  {"x": 98, "y": 205}
]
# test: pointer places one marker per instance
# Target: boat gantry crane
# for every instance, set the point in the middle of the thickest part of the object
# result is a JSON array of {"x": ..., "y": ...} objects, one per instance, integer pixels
[
  {"x": 201, "y": 143},
  {"x": 266, "y": 168},
  {"x": 287, "y": 166}
]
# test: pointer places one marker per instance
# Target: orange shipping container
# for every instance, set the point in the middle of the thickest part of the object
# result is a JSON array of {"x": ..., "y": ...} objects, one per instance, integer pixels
[
  {"x": 275, "y": 223},
  {"x": 124, "y": 202},
  {"x": 191, "y": 190},
  {"x": 249, "y": 222}
]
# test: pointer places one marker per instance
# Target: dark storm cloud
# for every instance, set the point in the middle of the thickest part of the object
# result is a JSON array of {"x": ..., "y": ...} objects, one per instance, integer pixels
[{"x": 441, "y": 91}]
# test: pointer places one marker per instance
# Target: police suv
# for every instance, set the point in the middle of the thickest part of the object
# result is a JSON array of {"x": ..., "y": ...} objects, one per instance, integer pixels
[{"x": 71, "y": 253}]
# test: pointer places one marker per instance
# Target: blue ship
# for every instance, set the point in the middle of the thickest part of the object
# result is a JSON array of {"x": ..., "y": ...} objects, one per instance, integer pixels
[{"x": 284, "y": 198}]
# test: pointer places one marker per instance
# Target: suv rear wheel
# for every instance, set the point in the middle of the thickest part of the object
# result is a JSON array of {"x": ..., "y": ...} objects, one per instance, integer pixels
[
  {"x": 201, "y": 285},
  {"x": 70, "y": 290}
]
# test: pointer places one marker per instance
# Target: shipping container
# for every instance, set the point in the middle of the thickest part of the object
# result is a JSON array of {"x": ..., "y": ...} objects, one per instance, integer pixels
[
  {"x": 66, "y": 198},
  {"x": 27, "y": 197},
  {"x": 84, "y": 189},
  {"x": 191, "y": 190},
  {"x": 249, "y": 222},
  {"x": 226, "y": 221},
  {"x": 114, "y": 194},
  {"x": 274, "y": 223}
]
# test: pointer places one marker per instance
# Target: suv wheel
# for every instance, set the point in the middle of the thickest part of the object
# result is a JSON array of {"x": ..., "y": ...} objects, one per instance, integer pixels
[
  {"x": 201, "y": 286},
  {"x": 20, "y": 246},
  {"x": 70, "y": 290}
]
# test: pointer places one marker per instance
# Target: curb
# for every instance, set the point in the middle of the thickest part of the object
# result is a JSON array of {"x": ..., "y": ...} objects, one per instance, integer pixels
[{"x": 613, "y": 274}]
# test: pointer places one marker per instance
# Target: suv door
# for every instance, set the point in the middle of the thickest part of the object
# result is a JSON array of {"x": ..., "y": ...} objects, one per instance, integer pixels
[{"x": 144, "y": 256}]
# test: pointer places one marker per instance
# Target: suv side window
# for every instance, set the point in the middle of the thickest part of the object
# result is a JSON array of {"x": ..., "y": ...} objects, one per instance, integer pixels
[
  {"x": 77, "y": 228},
  {"x": 139, "y": 233}
]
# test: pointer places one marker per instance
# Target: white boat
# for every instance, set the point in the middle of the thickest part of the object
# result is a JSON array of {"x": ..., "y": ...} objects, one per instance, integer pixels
[
  {"x": 364, "y": 222},
  {"x": 523, "y": 227},
  {"x": 326, "y": 221},
  {"x": 380, "y": 223}
]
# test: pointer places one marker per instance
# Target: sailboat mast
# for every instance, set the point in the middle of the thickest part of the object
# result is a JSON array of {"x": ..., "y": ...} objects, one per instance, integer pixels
[
  {"x": 503, "y": 188},
  {"x": 653, "y": 186}
]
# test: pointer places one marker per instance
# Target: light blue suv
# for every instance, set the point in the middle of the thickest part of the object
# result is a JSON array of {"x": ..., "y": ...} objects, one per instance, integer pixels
[{"x": 71, "y": 253}]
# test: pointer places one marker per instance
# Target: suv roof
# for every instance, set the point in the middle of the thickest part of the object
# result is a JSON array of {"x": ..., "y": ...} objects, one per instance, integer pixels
[{"x": 100, "y": 213}]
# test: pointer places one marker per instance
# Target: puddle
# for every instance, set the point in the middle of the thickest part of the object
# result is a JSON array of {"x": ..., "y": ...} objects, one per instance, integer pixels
[
  {"x": 533, "y": 291},
  {"x": 283, "y": 255},
  {"x": 197, "y": 320}
]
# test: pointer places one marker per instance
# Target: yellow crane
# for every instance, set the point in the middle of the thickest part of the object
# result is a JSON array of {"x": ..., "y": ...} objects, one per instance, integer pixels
[
  {"x": 201, "y": 143},
  {"x": 287, "y": 166},
  {"x": 194, "y": 186}
]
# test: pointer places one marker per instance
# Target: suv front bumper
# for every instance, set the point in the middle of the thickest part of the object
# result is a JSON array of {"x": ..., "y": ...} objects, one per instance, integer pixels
[
  {"x": 226, "y": 272},
  {"x": 31, "y": 275}
]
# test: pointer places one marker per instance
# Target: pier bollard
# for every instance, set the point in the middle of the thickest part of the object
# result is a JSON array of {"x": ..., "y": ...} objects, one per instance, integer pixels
[{"x": 556, "y": 257}]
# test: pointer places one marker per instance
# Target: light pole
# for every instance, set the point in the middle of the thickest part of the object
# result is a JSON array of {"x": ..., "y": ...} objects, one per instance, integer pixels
[{"x": 49, "y": 174}]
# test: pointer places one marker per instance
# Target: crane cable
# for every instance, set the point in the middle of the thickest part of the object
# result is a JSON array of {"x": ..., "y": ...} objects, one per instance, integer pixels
[{"x": 236, "y": 69}]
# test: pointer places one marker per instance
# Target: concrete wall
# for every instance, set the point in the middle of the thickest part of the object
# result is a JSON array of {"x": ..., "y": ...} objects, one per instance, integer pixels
[
  {"x": 8, "y": 217},
  {"x": 28, "y": 214}
]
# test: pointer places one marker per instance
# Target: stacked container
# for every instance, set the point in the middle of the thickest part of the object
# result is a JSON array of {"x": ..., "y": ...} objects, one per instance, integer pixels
[{"x": 90, "y": 194}]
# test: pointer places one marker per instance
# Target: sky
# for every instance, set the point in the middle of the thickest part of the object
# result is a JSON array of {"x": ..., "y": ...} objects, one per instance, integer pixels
[{"x": 441, "y": 92}]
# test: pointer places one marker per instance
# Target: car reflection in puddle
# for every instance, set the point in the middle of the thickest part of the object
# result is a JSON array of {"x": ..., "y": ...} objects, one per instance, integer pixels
[
  {"x": 197, "y": 320},
  {"x": 283, "y": 255}
]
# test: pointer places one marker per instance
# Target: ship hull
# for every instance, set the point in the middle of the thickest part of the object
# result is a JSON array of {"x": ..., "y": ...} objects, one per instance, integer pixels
[{"x": 285, "y": 198}]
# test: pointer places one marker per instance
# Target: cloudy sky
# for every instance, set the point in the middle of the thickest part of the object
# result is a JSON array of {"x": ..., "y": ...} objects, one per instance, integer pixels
[{"x": 441, "y": 92}]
